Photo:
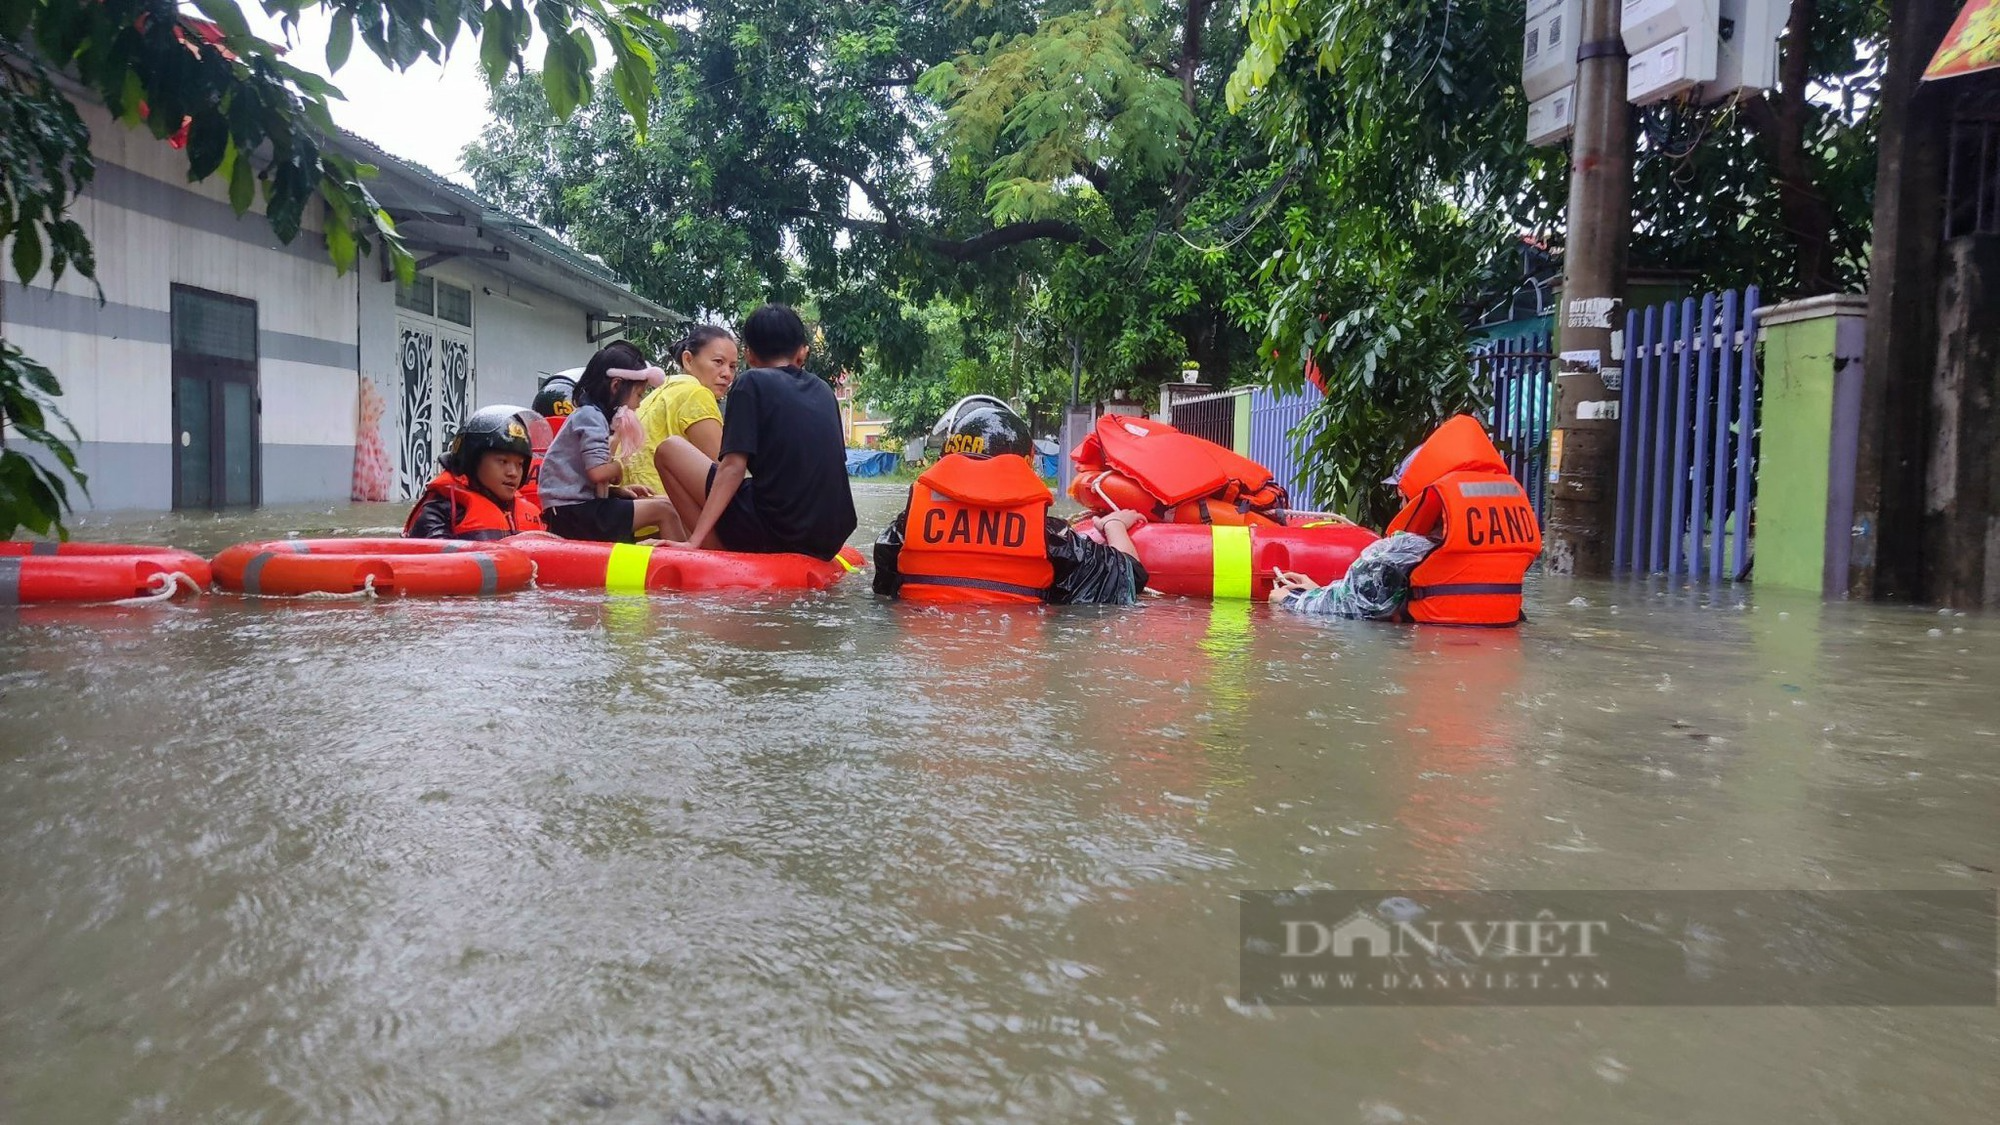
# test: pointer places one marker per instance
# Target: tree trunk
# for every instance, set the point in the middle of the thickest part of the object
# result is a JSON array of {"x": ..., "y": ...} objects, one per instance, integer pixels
[
  {"x": 1781, "y": 118},
  {"x": 1904, "y": 264}
]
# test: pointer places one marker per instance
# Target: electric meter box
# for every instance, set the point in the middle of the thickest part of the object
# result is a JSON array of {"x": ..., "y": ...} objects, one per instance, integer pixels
[
  {"x": 1548, "y": 47},
  {"x": 1746, "y": 61},
  {"x": 1552, "y": 119},
  {"x": 1648, "y": 23}
]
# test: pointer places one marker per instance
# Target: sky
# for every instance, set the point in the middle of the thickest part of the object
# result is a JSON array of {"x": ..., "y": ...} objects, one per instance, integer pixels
[{"x": 426, "y": 114}]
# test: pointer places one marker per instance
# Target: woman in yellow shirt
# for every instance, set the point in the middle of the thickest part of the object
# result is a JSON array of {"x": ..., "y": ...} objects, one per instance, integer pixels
[{"x": 688, "y": 403}]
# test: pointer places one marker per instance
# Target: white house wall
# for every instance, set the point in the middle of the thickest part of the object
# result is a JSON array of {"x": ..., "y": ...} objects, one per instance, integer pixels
[
  {"x": 153, "y": 230},
  {"x": 514, "y": 341}
]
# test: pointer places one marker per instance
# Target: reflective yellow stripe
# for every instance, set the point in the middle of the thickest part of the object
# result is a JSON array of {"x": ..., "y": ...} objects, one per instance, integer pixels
[
  {"x": 1232, "y": 562},
  {"x": 625, "y": 573},
  {"x": 844, "y": 564}
]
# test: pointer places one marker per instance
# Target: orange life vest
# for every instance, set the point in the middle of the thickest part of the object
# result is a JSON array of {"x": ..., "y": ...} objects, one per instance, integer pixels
[
  {"x": 474, "y": 515},
  {"x": 976, "y": 532},
  {"x": 531, "y": 488},
  {"x": 1169, "y": 476},
  {"x": 1457, "y": 490}
]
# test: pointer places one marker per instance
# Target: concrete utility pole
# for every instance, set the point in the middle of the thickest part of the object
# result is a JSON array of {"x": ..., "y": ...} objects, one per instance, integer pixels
[{"x": 1583, "y": 455}]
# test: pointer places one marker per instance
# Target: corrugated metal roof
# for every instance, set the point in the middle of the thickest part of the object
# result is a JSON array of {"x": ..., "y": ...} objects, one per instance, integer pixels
[{"x": 492, "y": 224}]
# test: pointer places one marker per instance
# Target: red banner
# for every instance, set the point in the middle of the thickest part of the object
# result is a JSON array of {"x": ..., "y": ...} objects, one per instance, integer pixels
[{"x": 1972, "y": 44}]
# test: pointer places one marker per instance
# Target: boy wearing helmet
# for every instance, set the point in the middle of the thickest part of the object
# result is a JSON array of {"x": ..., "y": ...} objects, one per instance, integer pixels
[
  {"x": 477, "y": 492},
  {"x": 977, "y": 529}
]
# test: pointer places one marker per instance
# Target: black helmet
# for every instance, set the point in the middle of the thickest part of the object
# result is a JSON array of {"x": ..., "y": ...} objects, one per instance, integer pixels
[
  {"x": 557, "y": 397},
  {"x": 987, "y": 431},
  {"x": 508, "y": 429},
  {"x": 949, "y": 419}
]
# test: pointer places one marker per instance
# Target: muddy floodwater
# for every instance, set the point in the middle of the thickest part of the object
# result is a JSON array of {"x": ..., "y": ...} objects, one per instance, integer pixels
[{"x": 563, "y": 857}]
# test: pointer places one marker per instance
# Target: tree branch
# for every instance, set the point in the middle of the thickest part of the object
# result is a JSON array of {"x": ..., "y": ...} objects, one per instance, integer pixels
[
  {"x": 961, "y": 249},
  {"x": 876, "y": 198}
]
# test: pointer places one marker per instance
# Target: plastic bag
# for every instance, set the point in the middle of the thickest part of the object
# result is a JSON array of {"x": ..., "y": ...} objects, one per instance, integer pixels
[{"x": 1376, "y": 585}]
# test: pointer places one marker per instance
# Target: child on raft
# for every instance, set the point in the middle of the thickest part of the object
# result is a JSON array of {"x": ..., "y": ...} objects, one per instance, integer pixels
[
  {"x": 688, "y": 404},
  {"x": 582, "y": 493},
  {"x": 780, "y": 485},
  {"x": 477, "y": 491}
]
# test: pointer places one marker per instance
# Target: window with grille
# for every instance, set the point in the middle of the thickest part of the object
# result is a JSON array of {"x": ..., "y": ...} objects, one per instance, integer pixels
[
  {"x": 454, "y": 304},
  {"x": 418, "y": 296},
  {"x": 209, "y": 324}
]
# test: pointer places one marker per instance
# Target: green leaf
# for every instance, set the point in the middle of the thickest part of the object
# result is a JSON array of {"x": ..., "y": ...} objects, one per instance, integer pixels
[
  {"x": 446, "y": 15},
  {"x": 496, "y": 45},
  {"x": 339, "y": 41},
  {"x": 242, "y": 185},
  {"x": 226, "y": 15},
  {"x": 27, "y": 253},
  {"x": 564, "y": 76},
  {"x": 208, "y": 141},
  {"x": 340, "y": 244},
  {"x": 14, "y": 17}
]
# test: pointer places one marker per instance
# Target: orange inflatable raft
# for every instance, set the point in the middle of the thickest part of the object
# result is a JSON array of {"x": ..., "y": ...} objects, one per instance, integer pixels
[
  {"x": 291, "y": 567},
  {"x": 628, "y": 568},
  {"x": 1197, "y": 561},
  {"x": 39, "y": 573}
]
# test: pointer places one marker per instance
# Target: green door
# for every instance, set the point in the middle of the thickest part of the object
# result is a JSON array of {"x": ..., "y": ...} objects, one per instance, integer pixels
[{"x": 215, "y": 400}]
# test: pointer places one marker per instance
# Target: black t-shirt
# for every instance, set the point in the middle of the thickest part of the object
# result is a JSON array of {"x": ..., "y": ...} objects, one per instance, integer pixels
[{"x": 787, "y": 423}]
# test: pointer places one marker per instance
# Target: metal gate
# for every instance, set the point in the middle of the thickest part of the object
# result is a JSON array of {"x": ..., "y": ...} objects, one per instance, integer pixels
[
  {"x": 1687, "y": 431},
  {"x": 1520, "y": 371}
]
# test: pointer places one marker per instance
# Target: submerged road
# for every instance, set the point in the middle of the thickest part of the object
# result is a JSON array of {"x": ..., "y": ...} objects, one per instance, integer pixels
[{"x": 558, "y": 857}]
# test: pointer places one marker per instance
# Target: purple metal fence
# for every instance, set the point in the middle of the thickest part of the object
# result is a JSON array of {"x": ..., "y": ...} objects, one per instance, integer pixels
[
  {"x": 1272, "y": 419},
  {"x": 1687, "y": 438},
  {"x": 1521, "y": 372}
]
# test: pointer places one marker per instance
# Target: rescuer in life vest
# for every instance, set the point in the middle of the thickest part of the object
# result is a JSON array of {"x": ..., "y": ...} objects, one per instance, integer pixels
[
  {"x": 1457, "y": 493},
  {"x": 555, "y": 402},
  {"x": 977, "y": 530},
  {"x": 477, "y": 493}
]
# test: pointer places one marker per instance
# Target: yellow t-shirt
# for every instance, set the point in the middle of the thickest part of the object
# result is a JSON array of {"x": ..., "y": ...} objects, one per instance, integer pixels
[{"x": 667, "y": 411}]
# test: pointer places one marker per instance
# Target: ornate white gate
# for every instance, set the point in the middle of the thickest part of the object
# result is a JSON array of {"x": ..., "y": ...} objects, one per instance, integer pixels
[{"x": 434, "y": 368}]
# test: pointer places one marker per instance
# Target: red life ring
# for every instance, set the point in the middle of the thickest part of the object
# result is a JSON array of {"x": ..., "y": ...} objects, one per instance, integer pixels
[
  {"x": 33, "y": 573},
  {"x": 290, "y": 567},
  {"x": 1198, "y": 561},
  {"x": 630, "y": 568},
  {"x": 1107, "y": 490}
]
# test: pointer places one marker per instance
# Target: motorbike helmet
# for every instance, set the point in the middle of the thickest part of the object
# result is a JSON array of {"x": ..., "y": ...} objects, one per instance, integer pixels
[
  {"x": 508, "y": 429},
  {"x": 557, "y": 397},
  {"x": 962, "y": 407},
  {"x": 988, "y": 431}
]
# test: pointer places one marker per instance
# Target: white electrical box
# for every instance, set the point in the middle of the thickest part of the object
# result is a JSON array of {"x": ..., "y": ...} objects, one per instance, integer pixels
[
  {"x": 1658, "y": 72},
  {"x": 1647, "y": 23},
  {"x": 1551, "y": 119},
  {"x": 1746, "y": 60},
  {"x": 1548, "y": 47},
  {"x": 1665, "y": 69}
]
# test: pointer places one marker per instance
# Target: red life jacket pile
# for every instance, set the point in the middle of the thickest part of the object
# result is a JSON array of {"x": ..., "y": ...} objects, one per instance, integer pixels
[{"x": 1151, "y": 468}]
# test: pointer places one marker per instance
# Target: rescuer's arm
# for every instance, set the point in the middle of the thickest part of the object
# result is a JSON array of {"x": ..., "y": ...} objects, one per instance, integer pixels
[
  {"x": 888, "y": 548},
  {"x": 729, "y": 474}
]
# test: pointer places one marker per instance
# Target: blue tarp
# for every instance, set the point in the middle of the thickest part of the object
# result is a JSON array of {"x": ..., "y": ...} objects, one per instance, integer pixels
[
  {"x": 870, "y": 462},
  {"x": 1045, "y": 464}
]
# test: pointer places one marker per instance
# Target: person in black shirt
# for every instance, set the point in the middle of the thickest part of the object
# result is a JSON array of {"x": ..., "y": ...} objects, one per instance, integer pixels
[{"x": 781, "y": 485}]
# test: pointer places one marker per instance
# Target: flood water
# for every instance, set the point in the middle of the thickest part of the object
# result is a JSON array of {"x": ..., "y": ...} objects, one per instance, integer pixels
[{"x": 562, "y": 857}]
